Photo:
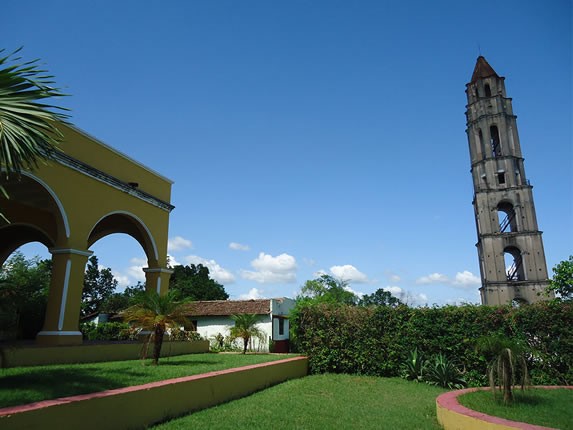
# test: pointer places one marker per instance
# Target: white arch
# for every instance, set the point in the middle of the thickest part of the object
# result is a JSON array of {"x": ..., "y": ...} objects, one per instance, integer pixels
[
  {"x": 135, "y": 217},
  {"x": 56, "y": 199}
]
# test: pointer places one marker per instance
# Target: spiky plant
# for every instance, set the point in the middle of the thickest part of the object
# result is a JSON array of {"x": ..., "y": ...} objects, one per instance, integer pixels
[
  {"x": 414, "y": 366},
  {"x": 28, "y": 130},
  {"x": 444, "y": 373},
  {"x": 507, "y": 364},
  {"x": 245, "y": 327},
  {"x": 156, "y": 313}
]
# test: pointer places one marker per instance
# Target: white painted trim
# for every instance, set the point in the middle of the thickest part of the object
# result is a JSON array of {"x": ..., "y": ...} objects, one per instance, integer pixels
[
  {"x": 59, "y": 333},
  {"x": 65, "y": 294},
  {"x": 156, "y": 254},
  {"x": 54, "y": 251},
  {"x": 159, "y": 285},
  {"x": 56, "y": 199}
]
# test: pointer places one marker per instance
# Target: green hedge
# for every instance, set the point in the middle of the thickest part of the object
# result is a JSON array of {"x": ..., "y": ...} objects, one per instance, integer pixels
[{"x": 376, "y": 340}]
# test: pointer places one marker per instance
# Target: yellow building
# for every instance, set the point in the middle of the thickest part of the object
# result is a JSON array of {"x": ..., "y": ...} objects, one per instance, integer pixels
[{"x": 88, "y": 191}]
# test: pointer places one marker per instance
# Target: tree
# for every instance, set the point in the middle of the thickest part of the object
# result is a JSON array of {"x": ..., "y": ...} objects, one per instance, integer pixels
[
  {"x": 193, "y": 282},
  {"x": 28, "y": 130},
  {"x": 562, "y": 282},
  {"x": 156, "y": 313},
  {"x": 117, "y": 302},
  {"x": 329, "y": 289},
  {"x": 245, "y": 328},
  {"x": 99, "y": 285},
  {"x": 380, "y": 297},
  {"x": 24, "y": 285},
  {"x": 506, "y": 362}
]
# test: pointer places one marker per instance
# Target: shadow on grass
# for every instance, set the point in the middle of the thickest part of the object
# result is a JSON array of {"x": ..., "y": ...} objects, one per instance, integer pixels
[
  {"x": 37, "y": 384},
  {"x": 166, "y": 362}
]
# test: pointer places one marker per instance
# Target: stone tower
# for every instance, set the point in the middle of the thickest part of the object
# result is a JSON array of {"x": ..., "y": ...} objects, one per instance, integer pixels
[{"x": 510, "y": 249}]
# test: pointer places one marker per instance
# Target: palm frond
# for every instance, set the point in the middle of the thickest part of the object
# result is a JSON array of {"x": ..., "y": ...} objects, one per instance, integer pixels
[{"x": 28, "y": 128}]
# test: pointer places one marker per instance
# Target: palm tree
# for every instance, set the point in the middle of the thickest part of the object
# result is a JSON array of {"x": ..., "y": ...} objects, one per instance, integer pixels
[
  {"x": 245, "y": 328},
  {"x": 507, "y": 360},
  {"x": 156, "y": 313},
  {"x": 28, "y": 130}
]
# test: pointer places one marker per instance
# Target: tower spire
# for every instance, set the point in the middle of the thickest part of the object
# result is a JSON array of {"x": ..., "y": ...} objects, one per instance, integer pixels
[{"x": 482, "y": 70}]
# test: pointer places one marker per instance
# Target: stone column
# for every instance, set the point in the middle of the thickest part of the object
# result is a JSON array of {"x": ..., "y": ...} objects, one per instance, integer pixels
[
  {"x": 157, "y": 279},
  {"x": 61, "y": 325}
]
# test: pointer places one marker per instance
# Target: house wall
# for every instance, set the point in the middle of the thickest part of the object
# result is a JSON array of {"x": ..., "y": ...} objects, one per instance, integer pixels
[{"x": 209, "y": 327}]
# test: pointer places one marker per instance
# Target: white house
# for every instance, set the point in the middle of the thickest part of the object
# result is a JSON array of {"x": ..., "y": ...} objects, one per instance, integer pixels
[{"x": 212, "y": 317}]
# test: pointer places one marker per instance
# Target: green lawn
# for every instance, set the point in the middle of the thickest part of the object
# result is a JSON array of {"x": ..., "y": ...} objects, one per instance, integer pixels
[
  {"x": 21, "y": 385},
  {"x": 324, "y": 402},
  {"x": 549, "y": 408}
]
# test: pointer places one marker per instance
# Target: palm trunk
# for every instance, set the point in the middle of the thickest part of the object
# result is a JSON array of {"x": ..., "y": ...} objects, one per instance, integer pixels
[
  {"x": 158, "y": 342},
  {"x": 245, "y": 344}
]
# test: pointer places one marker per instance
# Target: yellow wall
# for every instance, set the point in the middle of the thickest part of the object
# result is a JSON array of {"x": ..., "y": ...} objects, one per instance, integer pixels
[
  {"x": 137, "y": 407},
  {"x": 41, "y": 355}
]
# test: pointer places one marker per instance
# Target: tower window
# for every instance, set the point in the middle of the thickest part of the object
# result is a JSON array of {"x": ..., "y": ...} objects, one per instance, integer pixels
[
  {"x": 514, "y": 264},
  {"x": 506, "y": 217},
  {"x": 494, "y": 140},
  {"x": 501, "y": 178},
  {"x": 487, "y": 90}
]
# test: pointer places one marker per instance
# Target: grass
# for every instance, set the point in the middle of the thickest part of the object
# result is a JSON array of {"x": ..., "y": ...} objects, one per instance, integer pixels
[
  {"x": 549, "y": 408},
  {"x": 323, "y": 402},
  {"x": 22, "y": 385}
]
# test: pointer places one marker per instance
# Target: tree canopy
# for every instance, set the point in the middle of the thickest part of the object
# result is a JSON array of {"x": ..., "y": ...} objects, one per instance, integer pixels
[
  {"x": 328, "y": 289},
  {"x": 194, "y": 282},
  {"x": 24, "y": 285},
  {"x": 562, "y": 282},
  {"x": 380, "y": 297},
  {"x": 99, "y": 285}
]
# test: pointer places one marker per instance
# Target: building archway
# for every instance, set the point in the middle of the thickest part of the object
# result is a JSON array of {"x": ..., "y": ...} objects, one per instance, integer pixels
[{"x": 86, "y": 192}]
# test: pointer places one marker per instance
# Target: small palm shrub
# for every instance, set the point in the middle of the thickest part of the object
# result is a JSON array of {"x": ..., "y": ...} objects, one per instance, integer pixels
[
  {"x": 444, "y": 373},
  {"x": 507, "y": 364},
  {"x": 414, "y": 366}
]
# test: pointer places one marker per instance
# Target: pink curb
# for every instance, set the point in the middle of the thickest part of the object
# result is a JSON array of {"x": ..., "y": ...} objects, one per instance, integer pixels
[
  {"x": 11, "y": 410},
  {"x": 449, "y": 402}
]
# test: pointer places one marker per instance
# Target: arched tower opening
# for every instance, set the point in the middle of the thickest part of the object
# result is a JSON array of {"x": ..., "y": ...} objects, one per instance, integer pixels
[
  {"x": 514, "y": 264},
  {"x": 506, "y": 217}
]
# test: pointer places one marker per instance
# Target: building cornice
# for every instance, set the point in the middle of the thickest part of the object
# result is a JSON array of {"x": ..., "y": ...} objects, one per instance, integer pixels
[{"x": 112, "y": 181}]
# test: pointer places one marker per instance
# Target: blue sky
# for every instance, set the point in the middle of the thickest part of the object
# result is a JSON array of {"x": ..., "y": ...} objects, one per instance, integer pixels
[{"x": 307, "y": 137}]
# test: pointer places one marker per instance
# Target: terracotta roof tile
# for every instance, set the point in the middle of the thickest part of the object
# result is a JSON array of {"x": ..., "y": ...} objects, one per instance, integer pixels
[
  {"x": 482, "y": 70},
  {"x": 228, "y": 307}
]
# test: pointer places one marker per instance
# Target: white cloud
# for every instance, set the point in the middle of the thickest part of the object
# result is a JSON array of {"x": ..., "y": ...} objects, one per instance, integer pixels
[
  {"x": 216, "y": 272},
  {"x": 130, "y": 276},
  {"x": 269, "y": 269},
  {"x": 178, "y": 243},
  {"x": 172, "y": 261},
  {"x": 466, "y": 279},
  {"x": 395, "y": 291},
  {"x": 254, "y": 293},
  {"x": 238, "y": 246},
  {"x": 349, "y": 273},
  {"x": 394, "y": 278},
  {"x": 434, "y": 278}
]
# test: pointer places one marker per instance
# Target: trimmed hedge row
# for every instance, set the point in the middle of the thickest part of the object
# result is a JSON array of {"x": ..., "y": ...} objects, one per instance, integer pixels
[{"x": 376, "y": 340}]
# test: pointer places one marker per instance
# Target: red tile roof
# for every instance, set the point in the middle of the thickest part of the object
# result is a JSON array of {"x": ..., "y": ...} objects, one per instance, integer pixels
[
  {"x": 482, "y": 70},
  {"x": 229, "y": 307}
]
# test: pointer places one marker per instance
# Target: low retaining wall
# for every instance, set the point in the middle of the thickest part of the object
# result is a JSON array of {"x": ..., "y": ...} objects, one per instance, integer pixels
[
  {"x": 143, "y": 405},
  {"x": 34, "y": 355},
  {"x": 454, "y": 416}
]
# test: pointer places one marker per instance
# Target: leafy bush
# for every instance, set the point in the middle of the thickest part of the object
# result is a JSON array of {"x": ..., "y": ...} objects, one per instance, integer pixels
[
  {"x": 107, "y": 331},
  {"x": 178, "y": 334},
  {"x": 378, "y": 340}
]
